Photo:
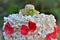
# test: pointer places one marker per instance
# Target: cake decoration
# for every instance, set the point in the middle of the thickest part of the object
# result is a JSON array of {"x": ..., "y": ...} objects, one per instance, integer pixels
[
  {"x": 8, "y": 29},
  {"x": 30, "y": 25},
  {"x": 24, "y": 30}
]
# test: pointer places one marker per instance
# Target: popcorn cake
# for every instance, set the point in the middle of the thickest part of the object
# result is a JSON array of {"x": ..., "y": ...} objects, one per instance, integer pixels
[{"x": 28, "y": 24}]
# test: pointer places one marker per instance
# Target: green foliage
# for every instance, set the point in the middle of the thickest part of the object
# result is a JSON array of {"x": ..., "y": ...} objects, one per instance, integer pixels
[
  {"x": 13, "y": 8},
  {"x": 56, "y": 11},
  {"x": 1, "y": 23}
]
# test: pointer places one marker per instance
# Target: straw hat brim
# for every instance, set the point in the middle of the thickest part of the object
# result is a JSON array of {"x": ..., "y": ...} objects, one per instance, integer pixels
[{"x": 23, "y": 11}]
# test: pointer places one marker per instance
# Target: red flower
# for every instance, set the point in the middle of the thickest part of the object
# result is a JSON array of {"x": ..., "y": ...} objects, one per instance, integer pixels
[
  {"x": 48, "y": 37},
  {"x": 32, "y": 26},
  {"x": 54, "y": 34},
  {"x": 57, "y": 30},
  {"x": 51, "y": 35},
  {"x": 24, "y": 30},
  {"x": 8, "y": 29}
]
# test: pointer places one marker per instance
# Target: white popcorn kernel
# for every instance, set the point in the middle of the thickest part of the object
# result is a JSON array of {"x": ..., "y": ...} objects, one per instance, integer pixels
[
  {"x": 22, "y": 38},
  {"x": 14, "y": 34},
  {"x": 44, "y": 26},
  {"x": 38, "y": 25},
  {"x": 12, "y": 16},
  {"x": 6, "y": 37},
  {"x": 22, "y": 20},
  {"x": 52, "y": 18},
  {"x": 20, "y": 13},
  {"x": 42, "y": 15},
  {"x": 36, "y": 37},
  {"x": 4, "y": 25},
  {"x": 38, "y": 19},
  {"x": 43, "y": 35},
  {"x": 5, "y": 18},
  {"x": 43, "y": 19},
  {"x": 10, "y": 20},
  {"x": 16, "y": 26},
  {"x": 30, "y": 37},
  {"x": 39, "y": 32}
]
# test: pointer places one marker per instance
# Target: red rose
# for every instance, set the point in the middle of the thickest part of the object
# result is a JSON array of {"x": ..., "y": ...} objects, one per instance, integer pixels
[
  {"x": 54, "y": 34},
  {"x": 51, "y": 35},
  {"x": 24, "y": 30},
  {"x": 32, "y": 26},
  {"x": 48, "y": 37},
  {"x": 57, "y": 30},
  {"x": 8, "y": 28}
]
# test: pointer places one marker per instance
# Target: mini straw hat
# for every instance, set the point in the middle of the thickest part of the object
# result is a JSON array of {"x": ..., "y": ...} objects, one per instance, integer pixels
[{"x": 29, "y": 6}]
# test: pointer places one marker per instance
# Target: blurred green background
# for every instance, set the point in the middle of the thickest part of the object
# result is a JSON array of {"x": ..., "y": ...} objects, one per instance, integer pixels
[{"x": 13, "y": 6}]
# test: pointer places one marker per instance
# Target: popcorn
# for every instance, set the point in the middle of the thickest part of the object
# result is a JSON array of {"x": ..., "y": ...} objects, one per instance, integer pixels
[
  {"x": 44, "y": 25},
  {"x": 43, "y": 35},
  {"x": 38, "y": 25},
  {"x": 30, "y": 38}
]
